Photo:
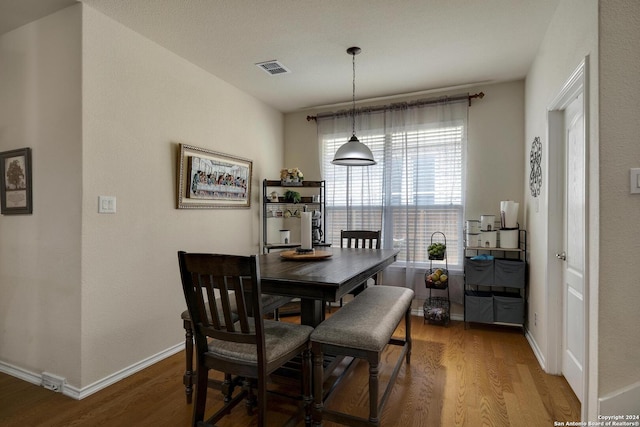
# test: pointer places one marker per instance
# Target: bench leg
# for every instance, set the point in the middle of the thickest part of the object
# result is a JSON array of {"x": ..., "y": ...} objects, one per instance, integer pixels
[
  {"x": 407, "y": 329},
  {"x": 187, "y": 379},
  {"x": 374, "y": 361}
]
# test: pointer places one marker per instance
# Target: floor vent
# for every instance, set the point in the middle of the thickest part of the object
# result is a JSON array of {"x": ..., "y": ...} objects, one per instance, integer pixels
[{"x": 273, "y": 67}]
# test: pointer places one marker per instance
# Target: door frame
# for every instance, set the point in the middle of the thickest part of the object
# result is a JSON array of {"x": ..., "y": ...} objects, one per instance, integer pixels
[{"x": 575, "y": 84}]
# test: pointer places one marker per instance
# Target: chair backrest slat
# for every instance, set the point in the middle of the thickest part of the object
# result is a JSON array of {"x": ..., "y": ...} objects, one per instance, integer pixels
[
  {"x": 223, "y": 294},
  {"x": 360, "y": 239}
]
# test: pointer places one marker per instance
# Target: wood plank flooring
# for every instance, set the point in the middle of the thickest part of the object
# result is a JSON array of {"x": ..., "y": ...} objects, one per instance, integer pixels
[{"x": 478, "y": 376}]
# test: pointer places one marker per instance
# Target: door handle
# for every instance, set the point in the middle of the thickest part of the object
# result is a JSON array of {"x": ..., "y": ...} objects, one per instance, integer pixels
[{"x": 562, "y": 256}]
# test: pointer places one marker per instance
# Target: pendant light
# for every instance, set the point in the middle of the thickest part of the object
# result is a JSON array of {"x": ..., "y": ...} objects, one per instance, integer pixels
[{"x": 354, "y": 152}]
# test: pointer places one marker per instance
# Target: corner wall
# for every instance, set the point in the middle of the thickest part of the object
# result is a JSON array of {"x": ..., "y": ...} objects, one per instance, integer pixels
[
  {"x": 139, "y": 102},
  {"x": 40, "y": 107},
  {"x": 571, "y": 35},
  {"x": 94, "y": 297}
]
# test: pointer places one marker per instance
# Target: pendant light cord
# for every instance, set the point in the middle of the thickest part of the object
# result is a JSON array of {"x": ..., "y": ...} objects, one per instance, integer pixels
[{"x": 353, "y": 111}]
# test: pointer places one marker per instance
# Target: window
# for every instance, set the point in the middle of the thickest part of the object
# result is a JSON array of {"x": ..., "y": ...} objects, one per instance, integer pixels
[{"x": 416, "y": 188}]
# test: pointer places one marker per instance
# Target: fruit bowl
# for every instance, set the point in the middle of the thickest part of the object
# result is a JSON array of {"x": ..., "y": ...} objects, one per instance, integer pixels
[{"x": 437, "y": 278}]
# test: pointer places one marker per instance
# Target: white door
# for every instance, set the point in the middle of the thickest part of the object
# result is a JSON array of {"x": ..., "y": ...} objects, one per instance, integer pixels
[{"x": 573, "y": 342}]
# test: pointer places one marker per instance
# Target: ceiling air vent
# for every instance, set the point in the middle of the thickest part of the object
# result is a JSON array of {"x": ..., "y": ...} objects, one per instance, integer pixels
[{"x": 273, "y": 67}]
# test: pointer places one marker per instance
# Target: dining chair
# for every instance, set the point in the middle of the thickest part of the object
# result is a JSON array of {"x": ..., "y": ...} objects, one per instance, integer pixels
[
  {"x": 270, "y": 304},
  {"x": 360, "y": 239},
  {"x": 239, "y": 343}
]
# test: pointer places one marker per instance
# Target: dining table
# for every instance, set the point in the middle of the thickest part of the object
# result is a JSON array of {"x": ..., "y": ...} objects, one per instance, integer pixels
[{"x": 330, "y": 275}]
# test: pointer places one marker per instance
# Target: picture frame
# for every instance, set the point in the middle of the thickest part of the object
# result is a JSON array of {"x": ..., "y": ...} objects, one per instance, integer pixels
[
  {"x": 16, "y": 183},
  {"x": 212, "y": 180}
]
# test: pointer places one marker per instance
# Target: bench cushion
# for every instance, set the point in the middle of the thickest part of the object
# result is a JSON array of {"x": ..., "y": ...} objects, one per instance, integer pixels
[{"x": 368, "y": 321}]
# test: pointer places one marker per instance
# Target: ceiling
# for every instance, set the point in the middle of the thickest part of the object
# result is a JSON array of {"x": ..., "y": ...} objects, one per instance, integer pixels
[{"x": 408, "y": 46}]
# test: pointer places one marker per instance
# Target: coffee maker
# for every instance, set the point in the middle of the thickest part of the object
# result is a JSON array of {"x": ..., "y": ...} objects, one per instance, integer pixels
[{"x": 316, "y": 226}]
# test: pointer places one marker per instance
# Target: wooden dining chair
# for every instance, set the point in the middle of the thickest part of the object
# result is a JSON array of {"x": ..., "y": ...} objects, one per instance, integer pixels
[
  {"x": 270, "y": 304},
  {"x": 240, "y": 342},
  {"x": 360, "y": 239}
]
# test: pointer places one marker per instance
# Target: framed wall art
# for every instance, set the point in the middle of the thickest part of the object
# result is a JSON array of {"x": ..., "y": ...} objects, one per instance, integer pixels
[
  {"x": 15, "y": 191},
  {"x": 208, "y": 179},
  {"x": 535, "y": 160}
]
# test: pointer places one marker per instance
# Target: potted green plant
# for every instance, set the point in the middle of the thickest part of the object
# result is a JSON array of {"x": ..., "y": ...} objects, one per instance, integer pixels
[{"x": 292, "y": 196}]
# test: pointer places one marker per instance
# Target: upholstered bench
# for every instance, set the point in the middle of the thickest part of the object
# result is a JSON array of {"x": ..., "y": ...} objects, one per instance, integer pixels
[{"x": 362, "y": 329}]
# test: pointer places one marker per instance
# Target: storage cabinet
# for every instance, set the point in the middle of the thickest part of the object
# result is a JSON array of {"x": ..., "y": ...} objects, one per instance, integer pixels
[
  {"x": 282, "y": 214},
  {"x": 496, "y": 289}
]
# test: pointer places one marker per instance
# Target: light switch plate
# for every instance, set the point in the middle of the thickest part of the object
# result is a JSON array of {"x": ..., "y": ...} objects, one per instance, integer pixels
[
  {"x": 634, "y": 180},
  {"x": 106, "y": 204}
]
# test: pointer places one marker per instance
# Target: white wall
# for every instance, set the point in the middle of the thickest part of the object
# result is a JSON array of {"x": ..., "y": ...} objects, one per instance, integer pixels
[
  {"x": 570, "y": 37},
  {"x": 40, "y": 107},
  {"x": 139, "y": 101},
  {"x": 88, "y": 296},
  {"x": 608, "y": 32},
  {"x": 619, "y": 317}
]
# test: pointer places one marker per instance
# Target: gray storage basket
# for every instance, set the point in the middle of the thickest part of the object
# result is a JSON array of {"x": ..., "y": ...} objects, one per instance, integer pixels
[
  {"x": 478, "y": 272},
  {"x": 508, "y": 308},
  {"x": 478, "y": 307},
  {"x": 509, "y": 273}
]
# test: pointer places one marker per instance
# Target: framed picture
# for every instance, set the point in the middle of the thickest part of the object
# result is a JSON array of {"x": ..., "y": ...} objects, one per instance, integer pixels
[
  {"x": 15, "y": 169},
  {"x": 207, "y": 179}
]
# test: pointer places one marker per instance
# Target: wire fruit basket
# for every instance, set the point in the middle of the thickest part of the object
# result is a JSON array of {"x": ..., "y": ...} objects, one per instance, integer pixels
[
  {"x": 436, "y": 278},
  {"x": 436, "y": 310}
]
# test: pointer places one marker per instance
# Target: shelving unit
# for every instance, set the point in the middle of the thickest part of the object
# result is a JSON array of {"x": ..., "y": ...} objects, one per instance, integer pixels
[
  {"x": 275, "y": 217},
  {"x": 437, "y": 309},
  {"x": 495, "y": 290}
]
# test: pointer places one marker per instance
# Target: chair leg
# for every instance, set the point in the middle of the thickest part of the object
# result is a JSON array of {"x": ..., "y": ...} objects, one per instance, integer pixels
[
  {"x": 262, "y": 401},
  {"x": 227, "y": 388},
  {"x": 187, "y": 379},
  {"x": 306, "y": 391},
  {"x": 250, "y": 402},
  {"x": 318, "y": 374},
  {"x": 201, "y": 394}
]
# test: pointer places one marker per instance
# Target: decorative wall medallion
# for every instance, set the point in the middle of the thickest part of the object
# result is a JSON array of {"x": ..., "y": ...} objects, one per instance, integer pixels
[{"x": 535, "y": 159}]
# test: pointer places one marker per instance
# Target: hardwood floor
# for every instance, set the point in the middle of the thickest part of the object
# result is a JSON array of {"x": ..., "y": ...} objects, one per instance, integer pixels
[{"x": 482, "y": 375}]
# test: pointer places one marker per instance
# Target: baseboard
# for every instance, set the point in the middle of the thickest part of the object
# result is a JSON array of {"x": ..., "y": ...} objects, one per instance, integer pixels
[
  {"x": 536, "y": 350},
  {"x": 625, "y": 401},
  {"x": 77, "y": 393},
  {"x": 20, "y": 373},
  {"x": 122, "y": 374}
]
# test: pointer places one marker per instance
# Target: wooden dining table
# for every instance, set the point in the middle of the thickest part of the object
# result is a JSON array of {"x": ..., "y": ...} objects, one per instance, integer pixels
[{"x": 315, "y": 281}]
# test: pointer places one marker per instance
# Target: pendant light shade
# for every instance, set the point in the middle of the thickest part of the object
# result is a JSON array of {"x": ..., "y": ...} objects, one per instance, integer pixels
[{"x": 354, "y": 152}]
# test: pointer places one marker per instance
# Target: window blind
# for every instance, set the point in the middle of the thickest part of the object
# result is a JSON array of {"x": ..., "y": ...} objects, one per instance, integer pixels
[{"x": 414, "y": 190}]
